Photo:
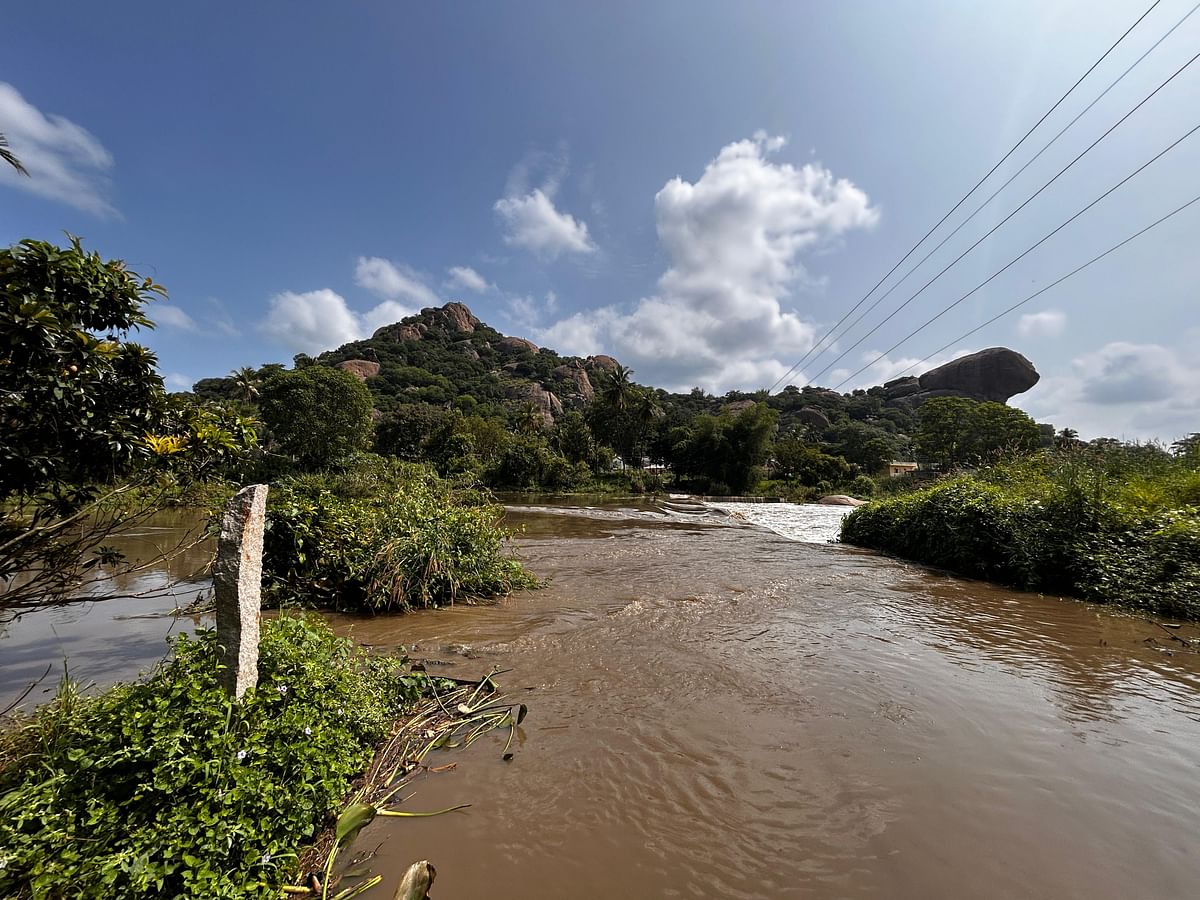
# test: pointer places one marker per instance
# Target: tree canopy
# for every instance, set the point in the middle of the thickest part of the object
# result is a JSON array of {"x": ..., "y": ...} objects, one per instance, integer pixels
[{"x": 318, "y": 415}]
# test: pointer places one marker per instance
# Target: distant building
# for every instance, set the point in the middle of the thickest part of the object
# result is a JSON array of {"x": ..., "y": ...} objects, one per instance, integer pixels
[{"x": 901, "y": 468}]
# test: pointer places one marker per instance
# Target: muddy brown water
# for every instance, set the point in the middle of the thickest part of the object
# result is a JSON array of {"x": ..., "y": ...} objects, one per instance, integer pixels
[{"x": 717, "y": 711}]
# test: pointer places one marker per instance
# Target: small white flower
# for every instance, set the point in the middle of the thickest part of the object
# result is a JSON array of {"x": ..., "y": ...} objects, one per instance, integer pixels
[
  {"x": 266, "y": 858},
  {"x": 282, "y": 689},
  {"x": 308, "y": 731},
  {"x": 241, "y": 754}
]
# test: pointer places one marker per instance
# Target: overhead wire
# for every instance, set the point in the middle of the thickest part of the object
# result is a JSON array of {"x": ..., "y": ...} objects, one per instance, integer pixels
[
  {"x": 1009, "y": 181},
  {"x": 1033, "y": 296},
  {"x": 1029, "y": 249},
  {"x": 976, "y": 186},
  {"x": 1002, "y": 222}
]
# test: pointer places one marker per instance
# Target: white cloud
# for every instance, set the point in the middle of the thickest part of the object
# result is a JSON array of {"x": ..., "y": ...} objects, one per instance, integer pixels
[
  {"x": 1124, "y": 390},
  {"x": 1048, "y": 323},
  {"x": 466, "y": 278},
  {"x": 311, "y": 322},
  {"x": 65, "y": 161},
  {"x": 528, "y": 311},
  {"x": 733, "y": 238},
  {"x": 322, "y": 320},
  {"x": 393, "y": 281},
  {"x": 176, "y": 381},
  {"x": 173, "y": 317},
  {"x": 531, "y": 221}
]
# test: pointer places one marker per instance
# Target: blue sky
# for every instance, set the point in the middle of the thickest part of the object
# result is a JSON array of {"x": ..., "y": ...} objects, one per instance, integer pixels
[{"x": 700, "y": 189}]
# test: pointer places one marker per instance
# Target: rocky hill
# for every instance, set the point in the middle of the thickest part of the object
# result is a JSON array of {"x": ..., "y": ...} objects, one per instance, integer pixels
[{"x": 447, "y": 355}]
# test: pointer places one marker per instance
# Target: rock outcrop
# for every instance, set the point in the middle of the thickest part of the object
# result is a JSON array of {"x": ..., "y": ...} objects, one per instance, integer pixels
[
  {"x": 510, "y": 345},
  {"x": 841, "y": 500},
  {"x": 549, "y": 405},
  {"x": 577, "y": 375},
  {"x": 601, "y": 363},
  {"x": 737, "y": 407},
  {"x": 362, "y": 369},
  {"x": 453, "y": 318},
  {"x": 995, "y": 374},
  {"x": 813, "y": 418}
]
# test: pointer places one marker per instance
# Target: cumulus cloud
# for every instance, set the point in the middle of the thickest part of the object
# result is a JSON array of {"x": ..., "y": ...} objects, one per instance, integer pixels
[
  {"x": 529, "y": 217},
  {"x": 176, "y": 381},
  {"x": 1048, "y": 323},
  {"x": 312, "y": 321},
  {"x": 65, "y": 161},
  {"x": 734, "y": 239},
  {"x": 466, "y": 278},
  {"x": 173, "y": 317},
  {"x": 1125, "y": 390},
  {"x": 393, "y": 281},
  {"x": 527, "y": 311}
]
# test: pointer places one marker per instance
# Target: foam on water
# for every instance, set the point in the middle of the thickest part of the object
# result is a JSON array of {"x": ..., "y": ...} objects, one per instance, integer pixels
[{"x": 808, "y": 522}]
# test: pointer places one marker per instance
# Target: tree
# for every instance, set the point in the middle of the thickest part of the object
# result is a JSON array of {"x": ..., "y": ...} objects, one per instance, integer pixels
[
  {"x": 955, "y": 431},
  {"x": 318, "y": 415},
  {"x": 246, "y": 382},
  {"x": 617, "y": 387},
  {"x": 8, "y": 157},
  {"x": 806, "y": 464},
  {"x": 1188, "y": 447},
  {"x": 725, "y": 450},
  {"x": 863, "y": 445},
  {"x": 77, "y": 397},
  {"x": 89, "y": 441}
]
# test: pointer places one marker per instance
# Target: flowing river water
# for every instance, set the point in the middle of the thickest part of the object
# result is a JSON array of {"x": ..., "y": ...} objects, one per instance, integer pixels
[{"x": 718, "y": 710}]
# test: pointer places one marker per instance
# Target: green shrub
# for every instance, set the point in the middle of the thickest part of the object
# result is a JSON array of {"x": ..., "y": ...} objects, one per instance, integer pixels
[
  {"x": 166, "y": 788},
  {"x": 408, "y": 542},
  {"x": 1052, "y": 523}
]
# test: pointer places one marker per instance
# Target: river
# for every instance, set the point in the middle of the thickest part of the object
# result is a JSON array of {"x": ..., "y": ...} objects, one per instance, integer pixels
[{"x": 719, "y": 710}]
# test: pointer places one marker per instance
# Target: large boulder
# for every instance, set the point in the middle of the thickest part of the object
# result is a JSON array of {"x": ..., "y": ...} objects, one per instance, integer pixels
[
  {"x": 841, "y": 500},
  {"x": 581, "y": 385},
  {"x": 548, "y": 404},
  {"x": 510, "y": 345},
  {"x": 813, "y": 418},
  {"x": 362, "y": 369},
  {"x": 454, "y": 316},
  {"x": 994, "y": 374},
  {"x": 601, "y": 363},
  {"x": 736, "y": 407}
]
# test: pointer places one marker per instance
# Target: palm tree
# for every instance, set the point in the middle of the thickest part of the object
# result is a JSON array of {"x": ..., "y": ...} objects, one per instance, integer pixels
[
  {"x": 7, "y": 156},
  {"x": 618, "y": 387},
  {"x": 245, "y": 383}
]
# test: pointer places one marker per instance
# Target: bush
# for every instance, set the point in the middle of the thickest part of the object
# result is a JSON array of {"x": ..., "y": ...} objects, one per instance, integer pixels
[
  {"x": 1052, "y": 523},
  {"x": 318, "y": 415},
  {"x": 167, "y": 788},
  {"x": 406, "y": 541}
]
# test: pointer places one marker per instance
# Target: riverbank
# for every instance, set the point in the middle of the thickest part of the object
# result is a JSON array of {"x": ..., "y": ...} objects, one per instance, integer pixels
[{"x": 1054, "y": 524}]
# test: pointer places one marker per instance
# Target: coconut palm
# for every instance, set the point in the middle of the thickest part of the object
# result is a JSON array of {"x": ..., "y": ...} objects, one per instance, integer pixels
[
  {"x": 245, "y": 383},
  {"x": 7, "y": 156},
  {"x": 618, "y": 388}
]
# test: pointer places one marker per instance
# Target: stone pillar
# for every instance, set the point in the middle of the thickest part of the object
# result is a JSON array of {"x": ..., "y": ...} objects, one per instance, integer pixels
[{"x": 237, "y": 583}]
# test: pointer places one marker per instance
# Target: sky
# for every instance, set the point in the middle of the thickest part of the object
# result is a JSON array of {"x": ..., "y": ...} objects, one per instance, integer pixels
[{"x": 699, "y": 189}]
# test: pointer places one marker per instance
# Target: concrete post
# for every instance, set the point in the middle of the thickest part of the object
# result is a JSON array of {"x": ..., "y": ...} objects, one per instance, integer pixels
[{"x": 237, "y": 583}]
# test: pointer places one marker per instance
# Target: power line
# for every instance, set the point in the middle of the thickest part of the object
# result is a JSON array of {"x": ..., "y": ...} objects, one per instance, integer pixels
[
  {"x": 1009, "y": 181},
  {"x": 1029, "y": 249},
  {"x": 999, "y": 224},
  {"x": 965, "y": 196},
  {"x": 1033, "y": 296}
]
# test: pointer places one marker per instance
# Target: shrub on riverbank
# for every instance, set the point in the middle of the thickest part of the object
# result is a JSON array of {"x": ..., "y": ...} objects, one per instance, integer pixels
[
  {"x": 1123, "y": 531},
  {"x": 166, "y": 788},
  {"x": 384, "y": 537}
]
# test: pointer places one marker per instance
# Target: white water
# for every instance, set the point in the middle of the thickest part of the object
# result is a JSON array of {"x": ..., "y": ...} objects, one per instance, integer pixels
[{"x": 811, "y": 523}]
